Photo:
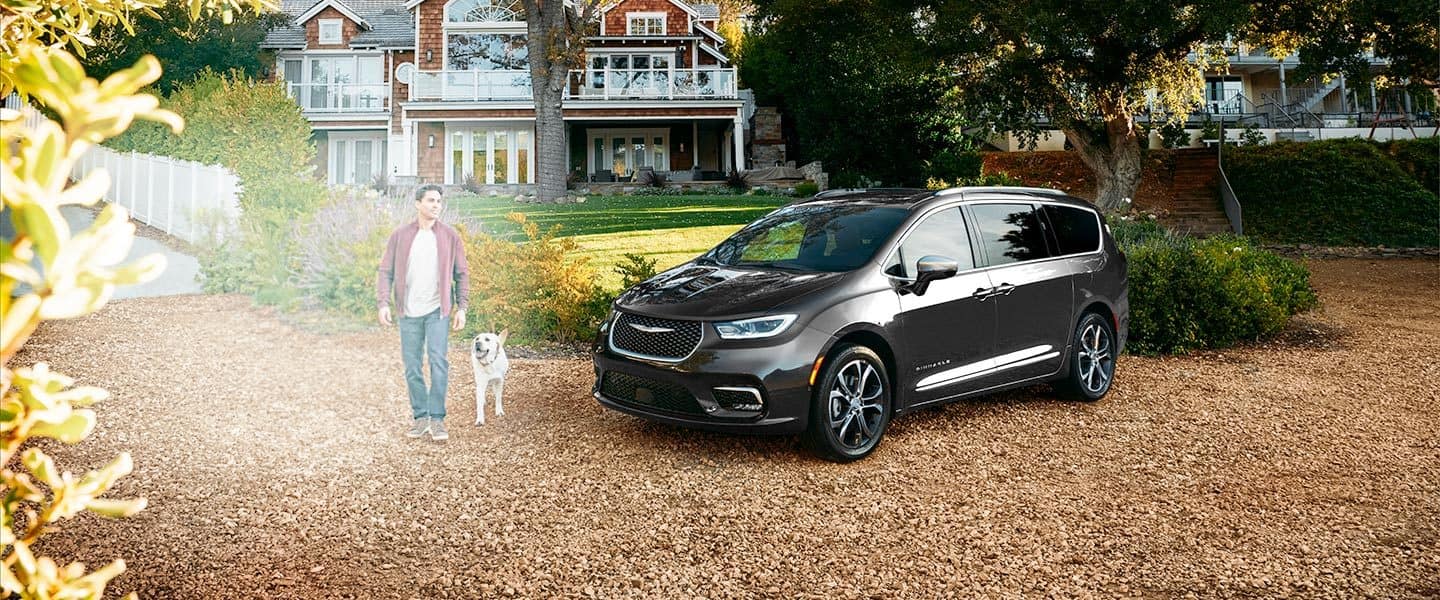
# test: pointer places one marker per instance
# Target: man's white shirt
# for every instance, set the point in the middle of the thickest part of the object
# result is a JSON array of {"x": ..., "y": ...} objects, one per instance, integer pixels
[{"x": 422, "y": 285}]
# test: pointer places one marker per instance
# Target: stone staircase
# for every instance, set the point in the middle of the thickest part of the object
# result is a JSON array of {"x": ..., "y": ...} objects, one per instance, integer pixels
[{"x": 1196, "y": 208}]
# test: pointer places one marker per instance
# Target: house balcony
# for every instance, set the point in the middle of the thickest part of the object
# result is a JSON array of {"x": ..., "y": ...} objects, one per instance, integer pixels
[
  {"x": 653, "y": 84},
  {"x": 470, "y": 86},
  {"x": 331, "y": 98},
  {"x": 604, "y": 84}
]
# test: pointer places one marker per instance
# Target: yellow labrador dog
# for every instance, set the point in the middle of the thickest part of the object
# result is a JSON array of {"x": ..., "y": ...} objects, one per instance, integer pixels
[{"x": 487, "y": 357}]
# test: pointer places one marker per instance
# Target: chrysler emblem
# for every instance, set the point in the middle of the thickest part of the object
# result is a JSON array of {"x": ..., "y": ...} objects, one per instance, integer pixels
[{"x": 648, "y": 329}]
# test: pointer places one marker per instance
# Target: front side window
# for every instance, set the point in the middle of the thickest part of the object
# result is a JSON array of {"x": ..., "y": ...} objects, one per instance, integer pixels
[
  {"x": 812, "y": 237},
  {"x": 1010, "y": 233},
  {"x": 940, "y": 234},
  {"x": 645, "y": 24},
  {"x": 1076, "y": 229},
  {"x": 330, "y": 31}
]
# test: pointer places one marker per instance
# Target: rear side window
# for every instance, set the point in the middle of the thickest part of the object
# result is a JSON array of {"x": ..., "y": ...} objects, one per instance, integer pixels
[
  {"x": 940, "y": 234},
  {"x": 1010, "y": 233},
  {"x": 1077, "y": 229}
]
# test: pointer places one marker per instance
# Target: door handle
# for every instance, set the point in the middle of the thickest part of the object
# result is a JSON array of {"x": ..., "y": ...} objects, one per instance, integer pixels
[
  {"x": 1003, "y": 289},
  {"x": 983, "y": 293}
]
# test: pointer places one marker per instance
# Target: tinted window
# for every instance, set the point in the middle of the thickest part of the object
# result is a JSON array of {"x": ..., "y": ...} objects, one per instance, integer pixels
[
  {"x": 1077, "y": 229},
  {"x": 823, "y": 236},
  {"x": 941, "y": 234},
  {"x": 1010, "y": 232}
]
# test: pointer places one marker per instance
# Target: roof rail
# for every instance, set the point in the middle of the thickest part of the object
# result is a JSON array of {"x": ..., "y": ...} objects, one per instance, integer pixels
[
  {"x": 1000, "y": 188},
  {"x": 852, "y": 191}
]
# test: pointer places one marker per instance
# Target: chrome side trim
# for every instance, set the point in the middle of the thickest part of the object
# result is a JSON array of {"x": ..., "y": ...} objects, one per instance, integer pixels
[{"x": 989, "y": 366}]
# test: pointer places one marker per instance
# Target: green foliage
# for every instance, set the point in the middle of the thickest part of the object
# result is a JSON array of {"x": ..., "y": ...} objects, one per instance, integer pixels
[
  {"x": 541, "y": 289},
  {"x": 1173, "y": 135},
  {"x": 1251, "y": 136},
  {"x": 184, "y": 47},
  {"x": 635, "y": 269},
  {"x": 806, "y": 189},
  {"x": 955, "y": 165},
  {"x": 1188, "y": 294},
  {"x": 223, "y": 112},
  {"x": 1419, "y": 157},
  {"x": 854, "y": 79},
  {"x": 1343, "y": 192},
  {"x": 1209, "y": 130}
]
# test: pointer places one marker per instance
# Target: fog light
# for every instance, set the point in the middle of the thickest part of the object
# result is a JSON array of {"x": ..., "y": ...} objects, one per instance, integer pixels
[{"x": 739, "y": 399}]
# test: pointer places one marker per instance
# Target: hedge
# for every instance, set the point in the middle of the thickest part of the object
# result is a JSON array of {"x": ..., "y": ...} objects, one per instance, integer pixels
[{"x": 1344, "y": 192}]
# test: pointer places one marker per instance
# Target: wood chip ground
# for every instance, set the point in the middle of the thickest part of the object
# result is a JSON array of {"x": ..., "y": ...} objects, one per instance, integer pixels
[{"x": 275, "y": 466}]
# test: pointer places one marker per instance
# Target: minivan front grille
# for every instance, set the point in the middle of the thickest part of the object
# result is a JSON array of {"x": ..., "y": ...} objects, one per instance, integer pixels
[
  {"x": 649, "y": 393},
  {"x": 649, "y": 337}
]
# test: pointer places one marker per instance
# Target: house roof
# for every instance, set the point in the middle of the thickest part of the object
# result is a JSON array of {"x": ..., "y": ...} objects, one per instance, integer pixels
[
  {"x": 337, "y": 5},
  {"x": 386, "y": 23},
  {"x": 604, "y": 8},
  {"x": 706, "y": 12}
]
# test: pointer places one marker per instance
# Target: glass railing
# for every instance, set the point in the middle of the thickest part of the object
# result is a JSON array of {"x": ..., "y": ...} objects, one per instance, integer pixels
[
  {"x": 471, "y": 85},
  {"x": 341, "y": 97},
  {"x": 605, "y": 84}
]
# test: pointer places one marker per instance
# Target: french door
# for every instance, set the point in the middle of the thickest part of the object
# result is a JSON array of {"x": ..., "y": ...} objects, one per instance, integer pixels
[
  {"x": 356, "y": 158},
  {"x": 491, "y": 155},
  {"x": 624, "y": 151}
]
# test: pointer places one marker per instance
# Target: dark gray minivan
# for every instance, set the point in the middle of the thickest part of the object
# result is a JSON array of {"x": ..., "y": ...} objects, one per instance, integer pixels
[{"x": 831, "y": 315}]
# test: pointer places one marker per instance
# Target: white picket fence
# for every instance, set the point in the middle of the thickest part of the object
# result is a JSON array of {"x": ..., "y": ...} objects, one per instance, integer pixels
[
  {"x": 189, "y": 200},
  {"x": 186, "y": 199}
]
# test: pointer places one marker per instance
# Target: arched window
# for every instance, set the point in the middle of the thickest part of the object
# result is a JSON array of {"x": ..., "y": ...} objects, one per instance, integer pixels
[{"x": 484, "y": 11}]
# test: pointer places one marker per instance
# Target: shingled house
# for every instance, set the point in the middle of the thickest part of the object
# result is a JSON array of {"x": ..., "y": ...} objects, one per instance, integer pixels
[{"x": 440, "y": 89}]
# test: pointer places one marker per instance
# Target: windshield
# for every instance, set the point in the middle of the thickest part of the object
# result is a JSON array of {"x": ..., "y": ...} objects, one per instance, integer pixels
[{"x": 815, "y": 236}]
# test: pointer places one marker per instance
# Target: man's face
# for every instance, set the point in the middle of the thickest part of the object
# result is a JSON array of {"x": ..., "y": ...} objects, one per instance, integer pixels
[{"x": 429, "y": 205}]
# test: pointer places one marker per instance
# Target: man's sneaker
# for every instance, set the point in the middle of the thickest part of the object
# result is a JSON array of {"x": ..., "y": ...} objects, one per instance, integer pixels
[
  {"x": 419, "y": 428},
  {"x": 437, "y": 431}
]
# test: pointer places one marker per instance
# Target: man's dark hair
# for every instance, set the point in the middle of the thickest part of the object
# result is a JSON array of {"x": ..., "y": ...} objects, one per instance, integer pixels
[{"x": 420, "y": 191}]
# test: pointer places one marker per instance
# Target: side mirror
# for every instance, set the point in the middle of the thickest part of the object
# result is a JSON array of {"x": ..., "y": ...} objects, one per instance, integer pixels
[{"x": 932, "y": 268}]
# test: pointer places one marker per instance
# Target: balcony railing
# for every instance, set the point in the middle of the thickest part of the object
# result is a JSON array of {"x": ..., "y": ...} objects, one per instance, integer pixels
[
  {"x": 471, "y": 85},
  {"x": 677, "y": 84},
  {"x": 341, "y": 97}
]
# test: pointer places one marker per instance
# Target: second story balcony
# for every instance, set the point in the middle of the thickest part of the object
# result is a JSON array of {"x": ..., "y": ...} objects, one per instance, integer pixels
[
  {"x": 341, "y": 97},
  {"x": 594, "y": 84}
]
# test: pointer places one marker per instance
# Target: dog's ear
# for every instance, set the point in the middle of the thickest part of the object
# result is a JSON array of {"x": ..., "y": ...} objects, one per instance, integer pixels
[{"x": 504, "y": 334}]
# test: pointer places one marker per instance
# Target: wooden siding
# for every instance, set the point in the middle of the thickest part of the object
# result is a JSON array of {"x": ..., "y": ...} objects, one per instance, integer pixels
[
  {"x": 399, "y": 92},
  {"x": 431, "y": 165},
  {"x": 431, "y": 35},
  {"x": 677, "y": 22},
  {"x": 348, "y": 30}
]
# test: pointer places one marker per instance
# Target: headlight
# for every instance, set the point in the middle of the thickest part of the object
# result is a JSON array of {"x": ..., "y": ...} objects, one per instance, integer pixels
[{"x": 760, "y": 327}]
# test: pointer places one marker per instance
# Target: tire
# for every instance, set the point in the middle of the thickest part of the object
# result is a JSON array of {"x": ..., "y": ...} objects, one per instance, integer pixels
[
  {"x": 845, "y": 424},
  {"x": 1092, "y": 360}
]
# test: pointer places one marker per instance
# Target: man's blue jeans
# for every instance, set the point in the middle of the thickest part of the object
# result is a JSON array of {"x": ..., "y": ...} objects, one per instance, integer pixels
[{"x": 427, "y": 335}]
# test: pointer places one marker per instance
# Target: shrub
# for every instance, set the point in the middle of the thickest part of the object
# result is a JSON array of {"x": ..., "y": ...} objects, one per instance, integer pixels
[
  {"x": 634, "y": 270},
  {"x": 1173, "y": 135},
  {"x": 1420, "y": 158},
  {"x": 222, "y": 112},
  {"x": 806, "y": 189},
  {"x": 951, "y": 165},
  {"x": 1209, "y": 130},
  {"x": 1251, "y": 136},
  {"x": 736, "y": 181},
  {"x": 540, "y": 288},
  {"x": 1188, "y": 293},
  {"x": 1342, "y": 192}
]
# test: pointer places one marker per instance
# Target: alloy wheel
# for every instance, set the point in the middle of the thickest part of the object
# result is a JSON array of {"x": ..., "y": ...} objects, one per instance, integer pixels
[
  {"x": 855, "y": 404},
  {"x": 1097, "y": 363}
]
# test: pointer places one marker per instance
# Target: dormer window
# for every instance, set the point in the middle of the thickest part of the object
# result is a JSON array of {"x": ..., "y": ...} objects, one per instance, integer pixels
[
  {"x": 645, "y": 23},
  {"x": 330, "y": 31}
]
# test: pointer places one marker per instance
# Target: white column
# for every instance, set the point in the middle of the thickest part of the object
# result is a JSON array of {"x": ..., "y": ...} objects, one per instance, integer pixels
[
  {"x": 695, "y": 143},
  {"x": 1284, "y": 97},
  {"x": 739, "y": 137}
]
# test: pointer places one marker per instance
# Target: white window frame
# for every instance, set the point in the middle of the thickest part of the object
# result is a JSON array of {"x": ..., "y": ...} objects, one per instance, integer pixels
[
  {"x": 337, "y": 174},
  {"x": 606, "y": 135},
  {"x": 512, "y": 148},
  {"x": 631, "y": 19},
  {"x": 337, "y": 36}
]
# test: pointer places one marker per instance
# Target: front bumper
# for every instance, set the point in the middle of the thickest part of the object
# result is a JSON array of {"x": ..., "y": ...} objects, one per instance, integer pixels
[{"x": 780, "y": 373}]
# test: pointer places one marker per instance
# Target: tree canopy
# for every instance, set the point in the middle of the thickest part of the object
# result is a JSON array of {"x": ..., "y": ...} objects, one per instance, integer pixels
[{"x": 183, "y": 46}]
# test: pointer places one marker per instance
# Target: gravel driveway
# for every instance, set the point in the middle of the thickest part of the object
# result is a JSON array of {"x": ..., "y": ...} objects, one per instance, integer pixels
[{"x": 275, "y": 466}]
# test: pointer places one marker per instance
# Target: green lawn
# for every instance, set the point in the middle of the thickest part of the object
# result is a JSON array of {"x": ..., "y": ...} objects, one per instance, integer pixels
[{"x": 669, "y": 229}]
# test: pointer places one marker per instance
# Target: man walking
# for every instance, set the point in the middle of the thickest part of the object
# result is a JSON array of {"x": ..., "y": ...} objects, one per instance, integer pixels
[{"x": 424, "y": 264}]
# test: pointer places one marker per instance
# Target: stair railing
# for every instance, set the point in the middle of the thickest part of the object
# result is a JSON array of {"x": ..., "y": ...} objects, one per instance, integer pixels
[{"x": 1227, "y": 193}]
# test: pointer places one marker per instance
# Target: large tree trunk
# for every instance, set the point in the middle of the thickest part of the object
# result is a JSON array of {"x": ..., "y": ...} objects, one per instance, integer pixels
[
  {"x": 1113, "y": 155},
  {"x": 547, "y": 26}
]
